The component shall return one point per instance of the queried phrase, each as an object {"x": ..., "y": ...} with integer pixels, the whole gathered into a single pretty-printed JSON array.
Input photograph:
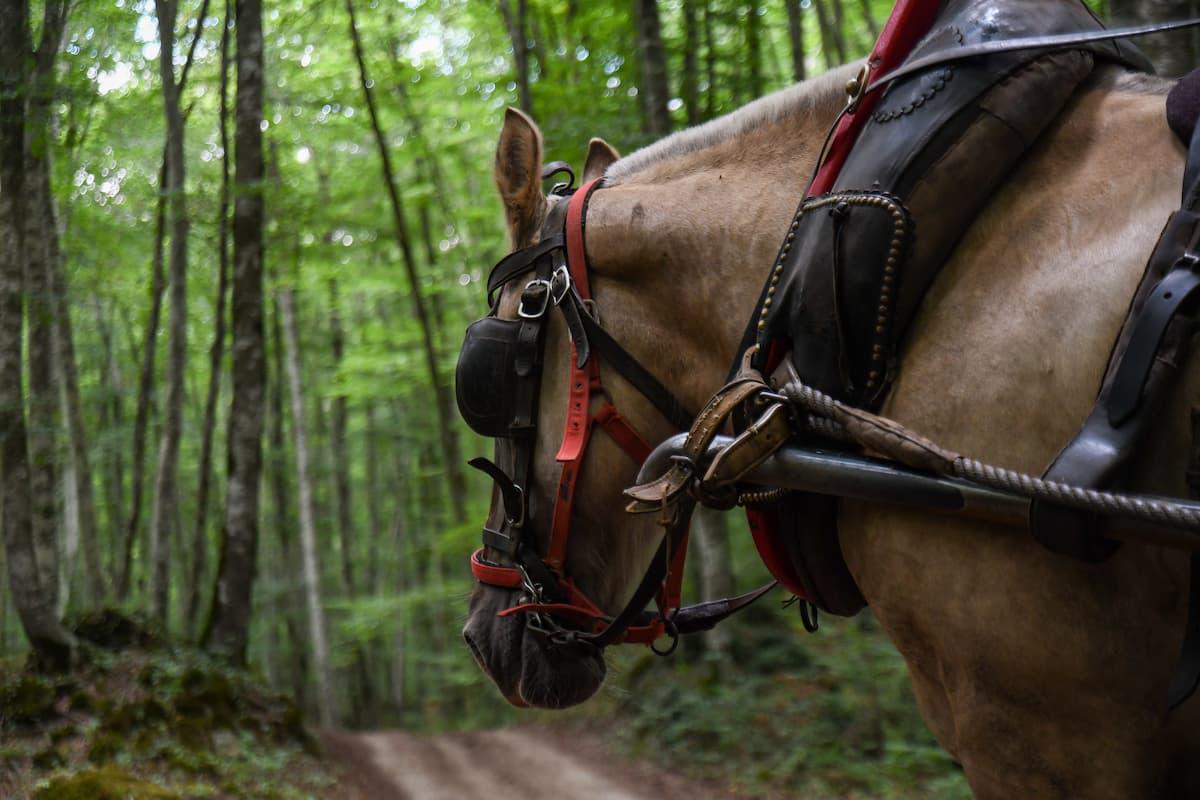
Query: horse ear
[
  {"x": 518, "y": 174},
  {"x": 600, "y": 156}
]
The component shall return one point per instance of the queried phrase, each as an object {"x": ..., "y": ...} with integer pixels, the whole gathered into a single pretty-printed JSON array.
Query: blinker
[{"x": 485, "y": 379}]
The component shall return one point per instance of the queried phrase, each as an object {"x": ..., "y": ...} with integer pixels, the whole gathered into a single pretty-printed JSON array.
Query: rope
[{"x": 829, "y": 416}]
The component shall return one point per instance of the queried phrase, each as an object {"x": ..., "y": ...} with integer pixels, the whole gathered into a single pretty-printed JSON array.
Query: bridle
[{"x": 498, "y": 383}]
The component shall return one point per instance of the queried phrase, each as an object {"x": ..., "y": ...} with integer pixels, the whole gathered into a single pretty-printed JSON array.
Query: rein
[{"x": 560, "y": 279}]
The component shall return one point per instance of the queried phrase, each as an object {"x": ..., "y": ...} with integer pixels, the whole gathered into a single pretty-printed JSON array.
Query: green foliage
[{"x": 824, "y": 715}]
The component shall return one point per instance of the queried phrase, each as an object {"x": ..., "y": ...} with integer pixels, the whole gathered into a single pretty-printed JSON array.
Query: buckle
[
  {"x": 542, "y": 283},
  {"x": 520, "y": 520},
  {"x": 560, "y": 284}
]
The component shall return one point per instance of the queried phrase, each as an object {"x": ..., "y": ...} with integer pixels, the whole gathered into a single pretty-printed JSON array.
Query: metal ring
[{"x": 669, "y": 629}]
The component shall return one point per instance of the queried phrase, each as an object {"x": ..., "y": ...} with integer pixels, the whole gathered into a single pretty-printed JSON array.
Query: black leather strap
[
  {"x": 1171, "y": 294},
  {"x": 519, "y": 262},
  {"x": 628, "y": 367}
]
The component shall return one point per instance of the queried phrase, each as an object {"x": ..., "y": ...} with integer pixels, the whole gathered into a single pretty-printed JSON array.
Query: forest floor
[{"x": 519, "y": 763}]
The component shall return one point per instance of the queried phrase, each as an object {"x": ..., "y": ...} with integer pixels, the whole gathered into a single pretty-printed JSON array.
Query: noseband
[{"x": 498, "y": 381}]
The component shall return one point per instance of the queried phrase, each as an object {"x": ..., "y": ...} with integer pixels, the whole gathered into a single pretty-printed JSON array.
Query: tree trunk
[
  {"x": 216, "y": 352},
  {"x": 691, "y": 49},
  {"x": 308, "y": 533},
  {"x": 1174, "y": 53},
  {"x": 754, "y": 50},
  {"x": 341, "y": 462},
  {"x": 112, "y": 417},
  {"x": 282, "y": 507},
  {"x": 374, "y": 494},
  {"x": 442, "y": 395},
  {"x": 839, "y": 30},
  {"x": 515, "y": 23},
  {"x": 145, "y": 396},
  {"x": 829, "y": 40},
  {"x": 36, "y": 603},
  {"x": 654, "y": 67},
  {"x": 869, "y": 19},
  {"x": 796, "y": 36},
  {"x": 164, "y": 510},
  {"x": 230, "y": 623}
]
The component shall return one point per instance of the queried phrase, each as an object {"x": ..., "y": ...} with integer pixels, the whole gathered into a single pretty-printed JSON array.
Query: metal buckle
[
  {"x": 519, "y": 521},
  {"x": 522, "y": 312},
  {"x": 564, "y": 274}
]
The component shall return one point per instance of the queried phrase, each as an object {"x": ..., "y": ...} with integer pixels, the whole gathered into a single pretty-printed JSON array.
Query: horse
[{"x": 1042, "y": 676}]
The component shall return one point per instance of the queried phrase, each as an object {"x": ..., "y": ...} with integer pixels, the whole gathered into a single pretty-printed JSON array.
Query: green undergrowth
[
  {"x": 787, "y": 714},
  {"x": 142, "y": 719}
]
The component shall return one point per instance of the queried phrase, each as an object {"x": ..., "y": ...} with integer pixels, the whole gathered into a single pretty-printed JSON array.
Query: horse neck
[{"x": 681, "y": 248}]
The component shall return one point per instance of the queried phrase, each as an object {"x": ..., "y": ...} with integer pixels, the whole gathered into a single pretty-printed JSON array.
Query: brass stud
[
  {"x": 762, "y": 325},
  {"x": 873, "y": 374},
  {"x": 879, "y": 329}
]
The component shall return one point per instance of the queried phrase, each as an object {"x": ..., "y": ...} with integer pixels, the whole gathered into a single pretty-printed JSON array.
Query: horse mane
[
  {"x": 781, "y": 106},
  {"x": 802, "y": 98}
]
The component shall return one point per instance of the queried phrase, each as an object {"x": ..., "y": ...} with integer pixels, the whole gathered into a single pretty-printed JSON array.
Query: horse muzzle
[{"x": 526, "y": 668}]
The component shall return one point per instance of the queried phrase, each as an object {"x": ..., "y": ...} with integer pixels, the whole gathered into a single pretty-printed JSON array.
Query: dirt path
[{"x": 511, "y": 764}]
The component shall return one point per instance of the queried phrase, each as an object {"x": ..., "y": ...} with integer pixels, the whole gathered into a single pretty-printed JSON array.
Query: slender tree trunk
[
  {"x": 164, "y": 509},
  {"x": 230, "y": 623},
  {"x": 754, "y": 54},
  {"x": 444, "y": 402},
  {"x": 112, "y": 418},
  {"x": 869, "y": 19},
  {"x": 796, "y": 36},
  {"x": 839, "y": 30},
  {"x": 341, "y": 462},
  {"x": 283, "y": 519},
  {"x": 653, "y": 59},
  {"x": 829, "y": 41},
  {"x": 216, "y": 352},
  {"x": 308, "y": 533},
  {"x": 374, "y": 493},
  {"x": 36, "y": 603},
  {"x": 691, "y": 49},
  {"x": 43, "y": 389},
  {"x": 1174, "y": 53},
  {"x": 145, "y": 396},
  {"x": 515, "y": 23}
]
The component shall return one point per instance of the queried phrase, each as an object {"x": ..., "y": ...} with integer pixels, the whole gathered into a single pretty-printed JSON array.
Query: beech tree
[{"x": 229, "y": 631}]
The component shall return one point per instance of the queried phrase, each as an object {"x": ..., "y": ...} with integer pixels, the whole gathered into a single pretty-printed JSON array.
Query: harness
[{"x": 498, "y": 383}]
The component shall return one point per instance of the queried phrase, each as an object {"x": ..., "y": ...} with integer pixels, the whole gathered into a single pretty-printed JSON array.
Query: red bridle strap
[{"x": 584, "y": 384}]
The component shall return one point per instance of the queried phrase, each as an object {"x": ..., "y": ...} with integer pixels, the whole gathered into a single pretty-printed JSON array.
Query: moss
[
  {"x": 210, "y": 696},
  {"x": 27, "y": 700},
  {"x": 107, "y": 783}
]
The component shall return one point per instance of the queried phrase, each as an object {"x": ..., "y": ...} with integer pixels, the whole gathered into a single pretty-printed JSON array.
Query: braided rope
[{"x": 829, "y": 415}]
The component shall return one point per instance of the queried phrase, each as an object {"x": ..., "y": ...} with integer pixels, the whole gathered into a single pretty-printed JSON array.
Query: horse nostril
[{"x": 475, "y": 651}]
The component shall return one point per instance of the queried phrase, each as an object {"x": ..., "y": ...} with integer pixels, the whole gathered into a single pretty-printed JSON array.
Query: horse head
[{"x": 676, "y": 240}]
